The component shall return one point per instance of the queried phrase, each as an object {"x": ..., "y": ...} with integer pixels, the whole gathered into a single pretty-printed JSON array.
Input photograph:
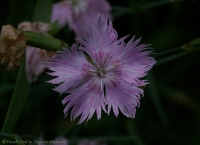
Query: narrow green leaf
[
  {"x": 168, "y": 51},
  {"x": 192, "y": 45},
  {"x": 155, "y": 98},
  {"x": 118, "y": 11},
  {"x": 42, "y": 11},
  {"x": 19, "y": 11},
  {"x": 155, "y": 4},
  {"x": 135, "y": 8},
  {"x": 18, "y": 99},
  {"x": 179, "y": 67}
]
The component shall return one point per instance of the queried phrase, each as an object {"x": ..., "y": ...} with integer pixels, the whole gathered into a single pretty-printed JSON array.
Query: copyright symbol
[{"x": 3, "y": 141}]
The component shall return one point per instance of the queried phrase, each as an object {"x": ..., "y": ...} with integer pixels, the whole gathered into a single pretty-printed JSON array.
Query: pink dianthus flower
[
  {"x": 79, "y": 13},
  {"x": 35, "y": 56},
  {"x": 109, "y": 79}
]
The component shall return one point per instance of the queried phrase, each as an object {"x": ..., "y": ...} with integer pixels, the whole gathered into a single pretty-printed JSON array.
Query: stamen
[{"x": 101, "y": 72}]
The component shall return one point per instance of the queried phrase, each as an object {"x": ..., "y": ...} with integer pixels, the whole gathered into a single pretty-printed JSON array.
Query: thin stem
[
  {"x": 156, "y": 100},
  {"x": 155, "y": 4},
  {"x": 136, "y": 8},
  {"x": 132, "y": 131},
  {"x": 168, "y": 51},
  {"x": 171, "y": 57}
]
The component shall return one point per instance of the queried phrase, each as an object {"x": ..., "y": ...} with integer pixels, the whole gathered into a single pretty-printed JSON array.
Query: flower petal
[
  {"x": 135, "y": 62},
  {"x": 34, "y": 66},
  {"x": 122, "y": 95},
  {"x": 85, "y": 101},
  {"x": 70, "y": 67},
  {"x": 61, "y": 13},
  {"x": 101, "y": 37},
  {"x": 79, "y": 23}
]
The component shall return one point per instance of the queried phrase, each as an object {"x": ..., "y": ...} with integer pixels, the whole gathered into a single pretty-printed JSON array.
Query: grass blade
[{"x": 17, "y": 102}]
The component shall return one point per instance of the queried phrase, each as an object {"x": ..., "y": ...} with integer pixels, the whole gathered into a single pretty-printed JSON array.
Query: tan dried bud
[
  {"x": 35, "y": 56},
  {"x": 25, "y": 26},
  {"x": 41, "y": 27},
  {"x": 38, "y": 27},
  {"x": 12, "y": 46}
]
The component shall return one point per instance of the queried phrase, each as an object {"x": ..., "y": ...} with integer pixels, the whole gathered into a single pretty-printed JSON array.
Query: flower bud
[
  {"x": 35, "y": 56},
  {"x": 12, "y": 46}
]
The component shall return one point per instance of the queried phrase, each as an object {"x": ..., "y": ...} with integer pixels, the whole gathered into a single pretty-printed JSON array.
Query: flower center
[
  {"x": 101, "y": 72},
  {"x": 78, "y": 6}
]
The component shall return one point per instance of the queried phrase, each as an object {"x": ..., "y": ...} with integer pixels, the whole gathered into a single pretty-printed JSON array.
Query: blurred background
[{"x": 169, "y": 112}]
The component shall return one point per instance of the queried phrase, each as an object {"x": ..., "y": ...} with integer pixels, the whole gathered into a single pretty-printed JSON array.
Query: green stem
[
  {"x": 44, "y": 42},
  {"x": 168, "y": 51},
  {"x": 155, "y": 4},
  {"x": 136, "y": 8},
  {"x": 17, "y": 102},
  {"x": 132, "y": 131},
  {"x": 171, "y": 57},
  {"x": 156, "y": 100}
]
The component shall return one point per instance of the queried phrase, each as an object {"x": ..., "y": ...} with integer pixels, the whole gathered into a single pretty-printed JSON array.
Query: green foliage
[
  {"x": 17, "y": 101},
  {"x": 42, "y": 11}
]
